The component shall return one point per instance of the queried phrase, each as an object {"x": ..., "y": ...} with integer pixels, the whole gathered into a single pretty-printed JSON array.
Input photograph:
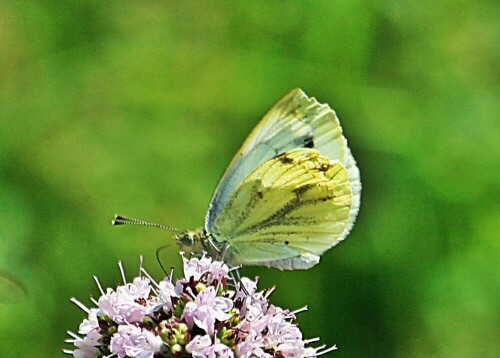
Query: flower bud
[{"x": 176, "y": 350}]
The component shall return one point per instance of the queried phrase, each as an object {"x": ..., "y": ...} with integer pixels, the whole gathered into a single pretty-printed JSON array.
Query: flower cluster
[{"x": 207, "y": 313}]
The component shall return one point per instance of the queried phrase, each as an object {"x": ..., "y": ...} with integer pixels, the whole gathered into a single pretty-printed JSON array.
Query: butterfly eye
[{"x": 186, "y": 239}]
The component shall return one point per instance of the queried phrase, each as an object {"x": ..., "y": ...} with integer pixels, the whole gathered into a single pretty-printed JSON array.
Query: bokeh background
[{"x": 137, "y": 108}]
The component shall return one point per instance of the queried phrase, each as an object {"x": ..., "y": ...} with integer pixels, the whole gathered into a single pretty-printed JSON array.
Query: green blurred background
[{"x": 137, "y": 108}]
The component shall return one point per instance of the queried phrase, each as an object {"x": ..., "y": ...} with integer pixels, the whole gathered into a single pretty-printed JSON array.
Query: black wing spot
[
  {"x": 287, "y": 242},
  {"x": 308, "y": 142},
  {"x": 286, "y": 160},
  {"x": 325, "y": 167}
]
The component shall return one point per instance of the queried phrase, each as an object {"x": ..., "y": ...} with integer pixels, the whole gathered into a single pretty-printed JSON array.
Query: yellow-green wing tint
[
  {"x": 296, "y": 121},
  {"x": 287, "y": 212}
]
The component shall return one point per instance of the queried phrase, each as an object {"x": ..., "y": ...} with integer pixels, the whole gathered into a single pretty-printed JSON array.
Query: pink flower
[
  {"x": 89, "y": 324},
  {"x": 198, "y": 345},
  {"x": 124, "y": 305},
  {"x": 87, "y": 347},
  {"x": 166, "y": 291},
  {"x": 206, "y": 314},
  {"x": 196, "y": 267},
  {"x": 206, "y": 309},
  {"x": 202, "y": 347},
  {"x": 132, "y": 341}
]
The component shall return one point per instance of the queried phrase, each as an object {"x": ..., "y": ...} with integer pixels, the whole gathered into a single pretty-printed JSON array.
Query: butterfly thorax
[{"x": 196, "y": 242}]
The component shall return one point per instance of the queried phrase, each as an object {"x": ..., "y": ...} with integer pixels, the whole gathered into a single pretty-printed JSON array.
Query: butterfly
[{"x": 291, "y": 192}]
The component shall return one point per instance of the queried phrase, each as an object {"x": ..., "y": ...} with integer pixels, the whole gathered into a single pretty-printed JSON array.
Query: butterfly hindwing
[{"x": 286, "y": 212}]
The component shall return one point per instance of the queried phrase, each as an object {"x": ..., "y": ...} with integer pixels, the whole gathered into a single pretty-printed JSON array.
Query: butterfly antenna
[{"x": 123, "y": 220}]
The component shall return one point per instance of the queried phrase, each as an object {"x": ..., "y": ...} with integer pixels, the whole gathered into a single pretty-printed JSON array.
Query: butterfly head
[
  {"x": 199, "y": 241},
  {"x": 194, "y": 241}
]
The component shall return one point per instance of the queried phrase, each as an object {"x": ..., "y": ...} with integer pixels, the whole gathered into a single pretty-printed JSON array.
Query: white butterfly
[{"x": 291, "y": 192}]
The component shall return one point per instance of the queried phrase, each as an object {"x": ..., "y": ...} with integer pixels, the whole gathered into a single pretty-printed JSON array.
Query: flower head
[{"x": 206, "y": 313}]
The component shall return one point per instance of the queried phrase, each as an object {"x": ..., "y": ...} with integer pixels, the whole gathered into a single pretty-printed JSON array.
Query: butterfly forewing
[
  {"x": 291, "y": 208},
  {"x": 296, "y": 121}
]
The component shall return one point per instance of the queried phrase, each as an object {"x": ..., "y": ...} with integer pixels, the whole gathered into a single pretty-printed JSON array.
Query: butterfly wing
[
  {"x": 287, "y": 212},
  {"x": 296, "y": 121}
]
